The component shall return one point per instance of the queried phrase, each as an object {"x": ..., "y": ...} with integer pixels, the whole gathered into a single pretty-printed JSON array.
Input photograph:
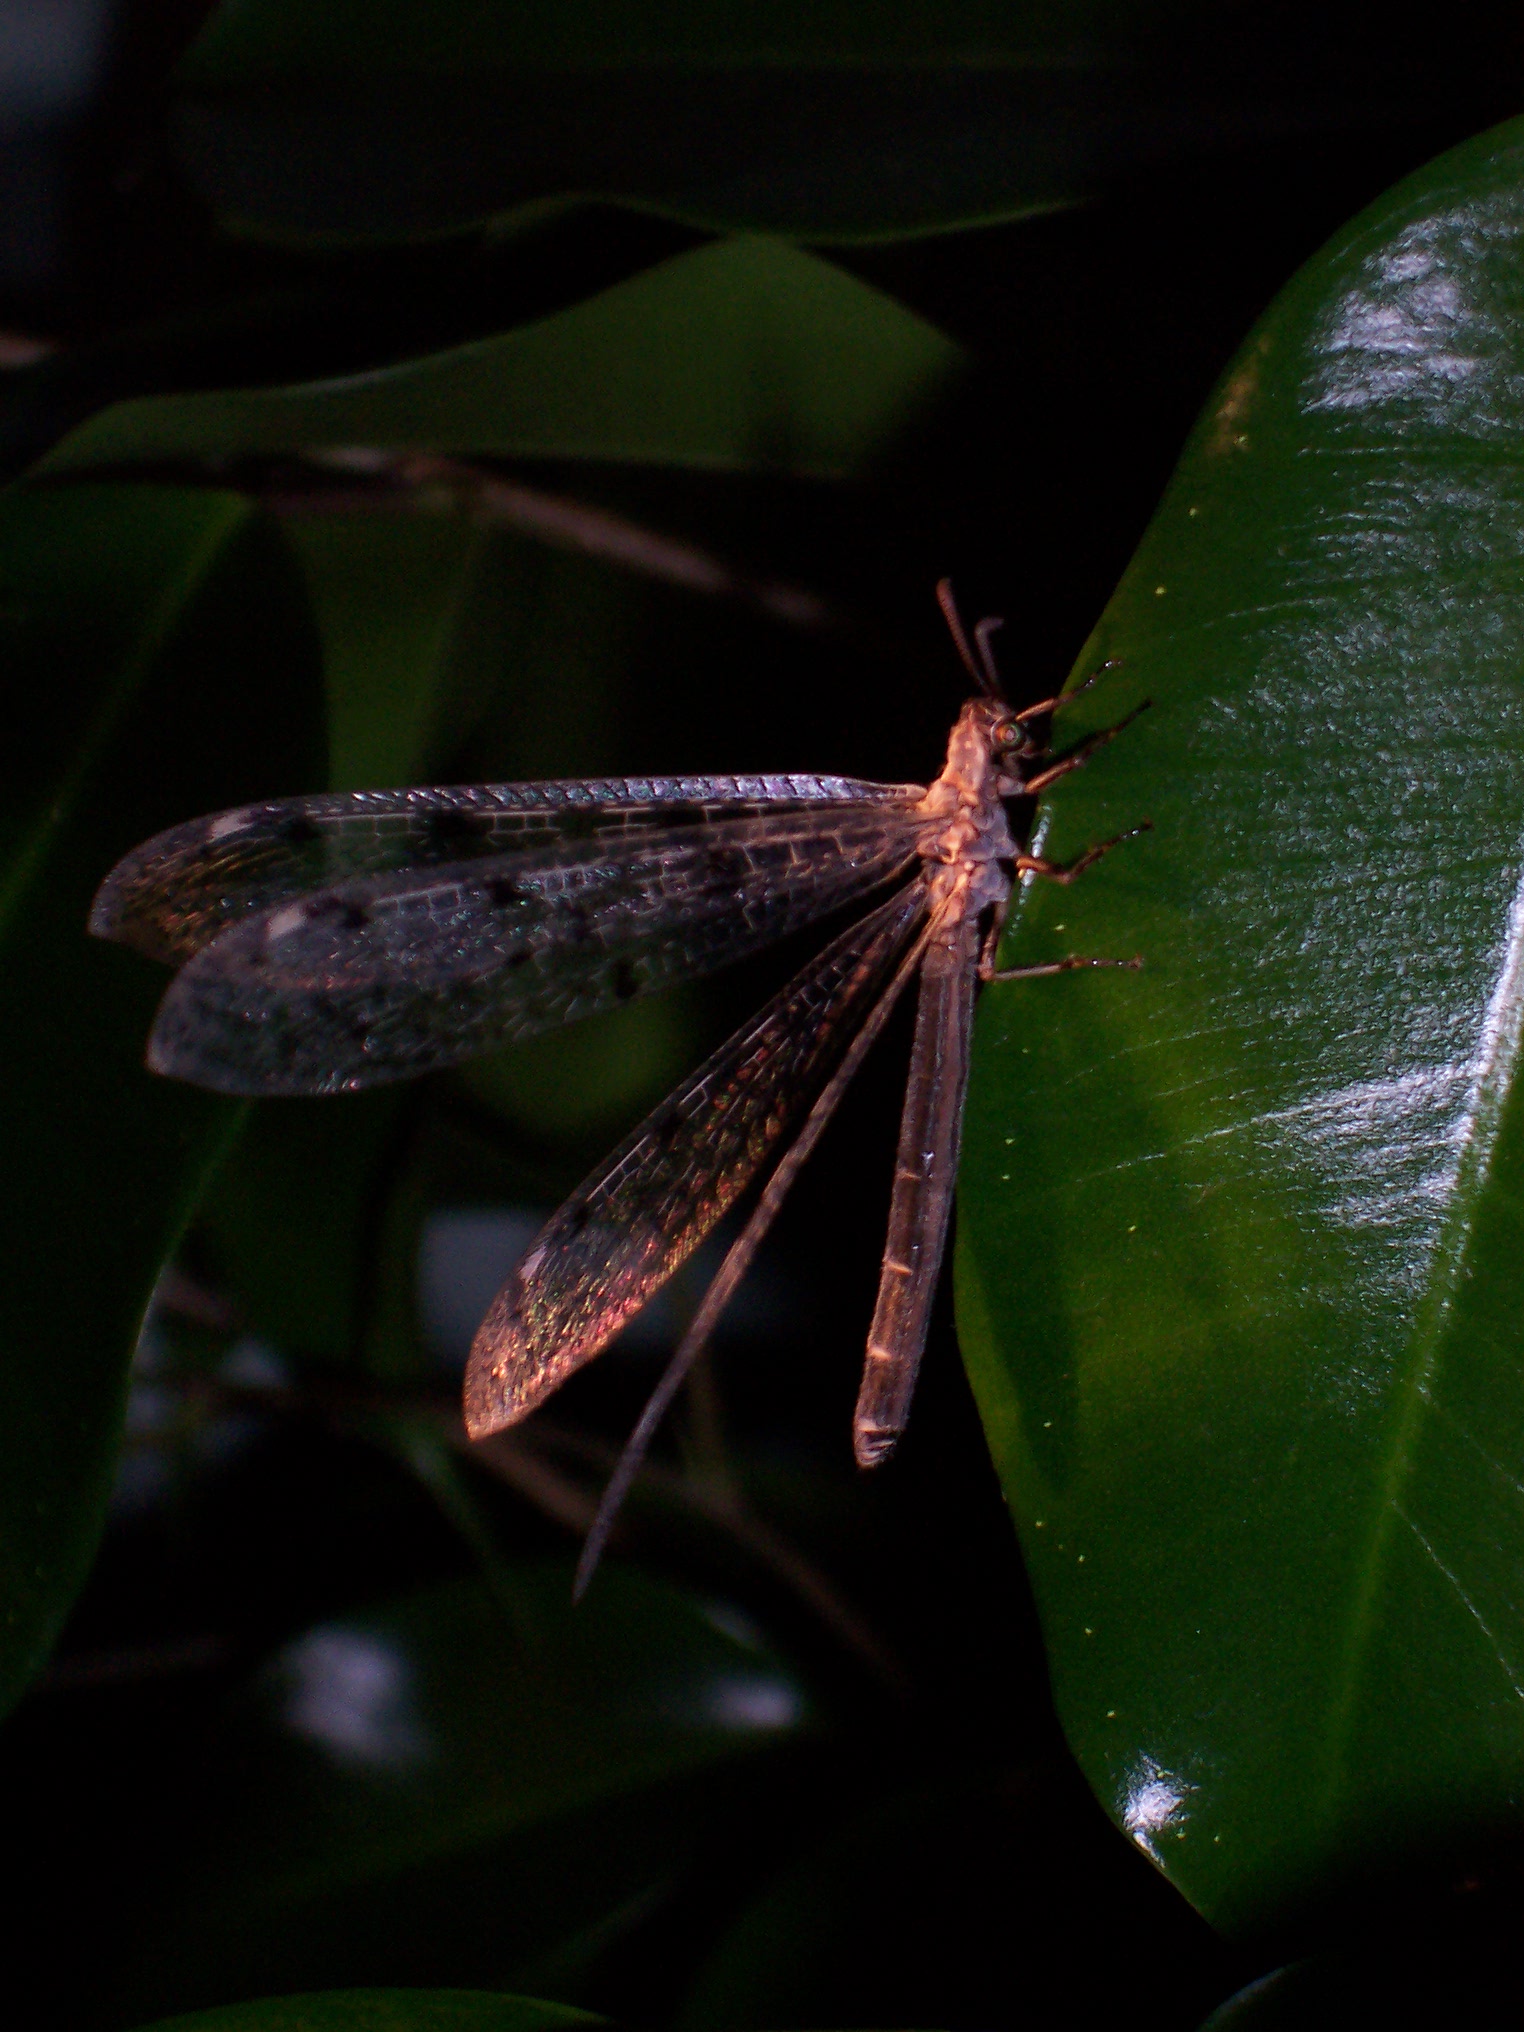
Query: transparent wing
[
  {"x": 623, "y": 1233},
  {"x": 383, "y": 979},
  {"x": 179, "y": 890}
]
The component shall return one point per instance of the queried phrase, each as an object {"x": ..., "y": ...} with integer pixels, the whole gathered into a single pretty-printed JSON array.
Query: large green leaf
[
  {"x": 462, "y": 1781},
  {"x": 385, "y": 2011},
  {"x": 351, "y": 122},
  {"x": 746, "y": 354},
  {"x": 1242, "y": 1264},
  {"x": 158, "y": 659}
]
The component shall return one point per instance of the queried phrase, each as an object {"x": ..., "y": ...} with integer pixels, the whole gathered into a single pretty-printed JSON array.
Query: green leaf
[
  {"x": 438, "y": 1783},
  {"x": 159, "y": 659},
  {"x": 746, "y": 354},
  {"x": 1241, "y": 1282},
  {"x": 399, "y": 606},
  {"x": 291, "y": 1224},
  {"x": 385, "y": 2011}
]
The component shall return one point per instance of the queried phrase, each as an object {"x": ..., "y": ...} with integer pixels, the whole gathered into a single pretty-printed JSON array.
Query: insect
[{"x": 330, "y": 943}]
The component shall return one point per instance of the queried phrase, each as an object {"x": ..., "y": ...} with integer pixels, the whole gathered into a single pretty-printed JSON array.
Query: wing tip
[
  {"x": 106, "y": 911},
  {"x": 503, "y": 1381},
  {"x": 487, "y": 1404},
  {"x": 166, "y": 1054},
  {"x": 177, "y": 1049}
]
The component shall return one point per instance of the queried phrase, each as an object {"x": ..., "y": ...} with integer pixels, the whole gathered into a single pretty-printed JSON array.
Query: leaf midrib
[{"x": 1493, "y": 1067}]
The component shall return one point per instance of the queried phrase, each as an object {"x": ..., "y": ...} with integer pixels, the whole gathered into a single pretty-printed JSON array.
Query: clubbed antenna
[{"x": 981, "y": 668}]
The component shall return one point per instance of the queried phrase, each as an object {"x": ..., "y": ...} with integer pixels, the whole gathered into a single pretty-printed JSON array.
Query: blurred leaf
[
  {"x": 407, "y": 637},
  {"x": 350, "y": 124},
  {"x": 159, "y": 659},
  {"x": 1242, "y": 1268},
  {"x": 746, "y": 354},
  {"x": 971, "y": 1882},
  {"x": 569, "y": 1083},
  {"x": 292, "y": 1220},
  {"x": 436, "y": 1786},
  {"x": 384, "y": 2011}
]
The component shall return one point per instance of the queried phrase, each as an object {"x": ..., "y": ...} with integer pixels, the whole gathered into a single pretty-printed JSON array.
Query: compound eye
[{"x": 1006, "y": 734}]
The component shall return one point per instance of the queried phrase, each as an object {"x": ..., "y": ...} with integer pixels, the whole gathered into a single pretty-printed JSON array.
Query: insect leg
[
  {"x": 1061, "y": 699},
  {"x": 1065, "y": 871},
  {"x": 1080, "y": 753},
  {"x": 921, "y": 1206},
  {"x": 1055, "y": 871},
  {"x": 735, "y": 1266},
  {"x": 1066, "y": 966}
]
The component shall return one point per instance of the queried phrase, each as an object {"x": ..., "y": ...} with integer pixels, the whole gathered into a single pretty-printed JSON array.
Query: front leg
[
  {"x": 1065, "y": 871},
  {"x": 988, "y": 971}
]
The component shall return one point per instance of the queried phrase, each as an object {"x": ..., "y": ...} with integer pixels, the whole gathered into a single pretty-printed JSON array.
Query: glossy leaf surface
[
  {"x": 1242, "y": 1265},
  {"x": 746, "y": 355},
  {"x": 385, "y": 2011},
  {"x": 158, "y": 657}
]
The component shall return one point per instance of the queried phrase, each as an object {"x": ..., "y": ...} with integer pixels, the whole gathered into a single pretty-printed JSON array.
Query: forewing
[
  {"x": 181, "y": 889},
  {"x": 623, "y": 1233},
  {"x": 383, "y": 979}
]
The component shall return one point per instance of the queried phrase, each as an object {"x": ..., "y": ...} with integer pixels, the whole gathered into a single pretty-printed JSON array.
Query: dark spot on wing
[
  {"x": 340, "y": 910},
  {"x": 727, "y": 864},
  {"x": 625, "y": 983},
  {"x": 503, "y": 892},
  {"x": 579, "y": 825},
  {"x": 579, "y": 923},
  {"x": 577, "y": 1217},
  {"x": 665, "y": 1127},
  {"x": 445, "y": 832},
  {"x": 297, "y": 830}
]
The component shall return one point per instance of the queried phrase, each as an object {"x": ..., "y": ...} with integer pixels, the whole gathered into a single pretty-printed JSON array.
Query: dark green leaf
[
  {"x": 404, "y": 610},
  {"x": 359, "y": 123},
  {"x": 1242, "y": 1267},
  {"x": 159, "y": 660},
  {"x": 291, "y": 1223},
  {"x": 746, "y": 354},
  {"x": 972, "y": 1882},
  {"x": 384, "y": 2011},
  {"x": 1457, "y": 1977},
  {"x": 462, "y": 1780}
]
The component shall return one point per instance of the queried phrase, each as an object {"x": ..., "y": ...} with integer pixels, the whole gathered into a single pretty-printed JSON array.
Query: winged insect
[{"x": 330, "y": 943}]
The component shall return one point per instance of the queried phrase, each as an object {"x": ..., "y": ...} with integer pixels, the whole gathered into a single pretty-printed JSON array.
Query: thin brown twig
[{"x": 407, "y": 481}]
